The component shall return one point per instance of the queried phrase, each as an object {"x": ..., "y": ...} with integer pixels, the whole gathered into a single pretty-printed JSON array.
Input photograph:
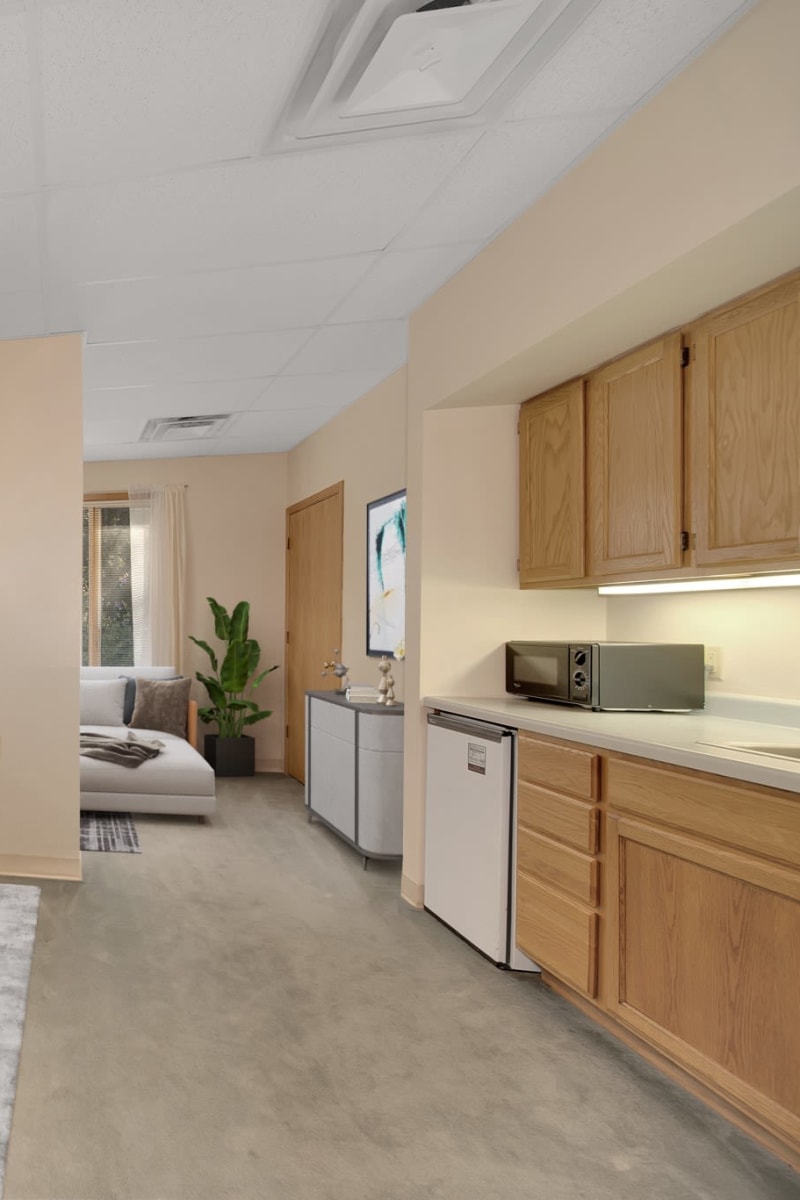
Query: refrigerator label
[{"x": 476, "y": 758}]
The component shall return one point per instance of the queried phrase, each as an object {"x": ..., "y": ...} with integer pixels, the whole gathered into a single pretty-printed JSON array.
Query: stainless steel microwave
[{"x": 622, "y": 676}]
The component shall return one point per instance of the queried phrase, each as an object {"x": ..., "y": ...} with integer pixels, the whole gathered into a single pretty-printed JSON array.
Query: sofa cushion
[
  {"x": 161, "y": 704},
  {"x": 178, "y": 770},
  {"x": 102, "y": 701}
]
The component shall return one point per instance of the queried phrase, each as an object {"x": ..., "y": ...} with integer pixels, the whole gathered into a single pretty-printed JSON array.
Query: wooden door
[
  {"x": 745, "y": 404},
  {"x": 634, "y": 444},
  {"x": 313, "y": 608},
  {"x": 705, "y": 958},
  {"x": 551, "y": 473}
]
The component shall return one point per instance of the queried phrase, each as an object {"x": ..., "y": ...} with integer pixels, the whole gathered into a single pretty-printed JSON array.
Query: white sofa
[{"x": 178, "y": 781}]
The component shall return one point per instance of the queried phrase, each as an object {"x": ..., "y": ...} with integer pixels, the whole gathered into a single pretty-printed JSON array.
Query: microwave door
[{"x": 544, "y": 671}]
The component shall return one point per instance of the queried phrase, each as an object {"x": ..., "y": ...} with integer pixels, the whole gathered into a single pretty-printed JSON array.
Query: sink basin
[{"x": 772, "y": 750}]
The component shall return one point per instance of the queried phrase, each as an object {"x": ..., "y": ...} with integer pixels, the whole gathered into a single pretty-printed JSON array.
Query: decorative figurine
[
  {"x": 386, "y": 685},
  {"x": 338, "y": 669}
]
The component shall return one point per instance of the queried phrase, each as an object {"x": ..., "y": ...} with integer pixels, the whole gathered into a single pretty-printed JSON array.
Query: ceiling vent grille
[
  {"x": 185, "y": 429},
  {"x": 387, "y": 65}
]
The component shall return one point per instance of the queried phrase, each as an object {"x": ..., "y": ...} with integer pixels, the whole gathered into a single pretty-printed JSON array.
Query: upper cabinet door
[
  {"x": 634, "y": 436},
  {"x": 551, "y": 488},
  {"x": 745, "y": 404}
]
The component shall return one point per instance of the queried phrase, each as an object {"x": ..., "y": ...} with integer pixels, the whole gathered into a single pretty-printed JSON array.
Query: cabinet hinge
[
  {"x": 287, "y": 637},
  {"x": 684, "y": 539},
  {"x": 287, "y": 731},
  {"x": 288, "y": 543},
  {"x": 685, "y": 355}
]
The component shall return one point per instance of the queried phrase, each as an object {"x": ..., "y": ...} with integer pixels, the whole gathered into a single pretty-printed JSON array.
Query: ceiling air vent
[
  {"x": 387, "y": 65},
  {"x": 184, "y": 429}
]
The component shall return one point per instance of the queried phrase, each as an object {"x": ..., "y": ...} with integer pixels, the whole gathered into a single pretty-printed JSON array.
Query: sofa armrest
[{"x": 191, "y": 724}]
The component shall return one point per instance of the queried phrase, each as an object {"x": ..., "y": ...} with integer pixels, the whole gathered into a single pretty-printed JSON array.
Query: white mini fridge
[{"x": 470, "y": 828}]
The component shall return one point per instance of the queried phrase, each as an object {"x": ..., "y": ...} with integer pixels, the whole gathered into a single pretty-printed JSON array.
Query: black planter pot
[{"x": 231, "y": 756}]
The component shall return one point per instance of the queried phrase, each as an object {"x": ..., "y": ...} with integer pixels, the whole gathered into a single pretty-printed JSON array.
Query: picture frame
[{"x": 386, "y": 574}]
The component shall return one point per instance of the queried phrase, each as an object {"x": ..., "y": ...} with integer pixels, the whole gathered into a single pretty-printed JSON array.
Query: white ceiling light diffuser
[{"x": 389, "y": 64}]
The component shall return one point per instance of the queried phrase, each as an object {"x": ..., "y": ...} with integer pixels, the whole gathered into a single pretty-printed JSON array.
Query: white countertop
[{"x": 666, "y": 737}]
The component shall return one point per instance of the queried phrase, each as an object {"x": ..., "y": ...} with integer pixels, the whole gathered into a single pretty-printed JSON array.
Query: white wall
[{"x": 756, "y": 630}]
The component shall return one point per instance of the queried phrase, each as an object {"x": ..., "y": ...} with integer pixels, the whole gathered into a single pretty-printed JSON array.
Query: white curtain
[{"x": 158, "y": 574}]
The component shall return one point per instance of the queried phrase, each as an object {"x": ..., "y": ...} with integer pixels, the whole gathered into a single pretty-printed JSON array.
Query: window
[{"x": 107, "y": 633}]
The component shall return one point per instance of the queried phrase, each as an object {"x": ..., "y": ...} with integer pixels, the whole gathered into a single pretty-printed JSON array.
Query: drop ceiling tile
[
  {"x": 283, "y": 296},
  {"x": 237, "y": 356},
  {"x": 268, "y": 432},
  {"x": 19, "y": 244},
  {"x": 509, "y": 168},
  {"x": 370, "y": 346},
  {"x": 400, "y": 281},
  {"x": 323, "y": 204},
  {"x": 172, "y": 400},
  {"x": 17, "y": 170},
  {"x": 152, "y": 86},
  {"x": 621, "y": 51},
  {"x": 332, "y": 392},
  {"x": 124, "y": 451},
  {"x": 101, "y": 433},
  {"x": 21, "y": 315}
]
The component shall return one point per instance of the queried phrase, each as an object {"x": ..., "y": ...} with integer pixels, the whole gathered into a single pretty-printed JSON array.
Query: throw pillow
[
  {"x": 161, "y": 705},
  {"x": 130, "y": 698},
  {"x": 102, "y": 701}
]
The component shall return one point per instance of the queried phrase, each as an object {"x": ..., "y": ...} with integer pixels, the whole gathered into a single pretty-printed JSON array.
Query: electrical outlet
[{"x": 713, "y": 661}]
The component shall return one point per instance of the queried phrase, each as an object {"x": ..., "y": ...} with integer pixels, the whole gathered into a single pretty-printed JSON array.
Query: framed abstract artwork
[{"x": 386, "y": 574}]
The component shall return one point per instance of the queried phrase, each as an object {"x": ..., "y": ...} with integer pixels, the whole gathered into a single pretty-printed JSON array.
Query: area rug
[
  {"x": 19, "y": 907},
  {"x": 109, "y": 831}
]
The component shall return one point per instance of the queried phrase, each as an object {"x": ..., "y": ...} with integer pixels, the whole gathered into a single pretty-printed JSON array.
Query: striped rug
[
  {"x": 109, "y": 831},
  {"x": 19, "y": 907}
]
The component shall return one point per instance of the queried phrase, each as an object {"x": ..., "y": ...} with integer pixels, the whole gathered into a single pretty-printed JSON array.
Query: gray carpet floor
[
  {"x": 242, "y": 1011},
  {"x": 19, "y": 906}
]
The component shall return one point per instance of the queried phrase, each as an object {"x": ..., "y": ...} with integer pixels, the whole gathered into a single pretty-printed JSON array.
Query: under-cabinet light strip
[{"x": 700, "y": 585}]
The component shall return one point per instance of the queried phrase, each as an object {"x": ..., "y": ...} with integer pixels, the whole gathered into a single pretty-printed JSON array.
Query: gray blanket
[{"x": 129, "y": 751}]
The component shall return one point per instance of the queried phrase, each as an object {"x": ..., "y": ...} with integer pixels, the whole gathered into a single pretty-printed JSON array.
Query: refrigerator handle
[{"x": 490, "y": 733}]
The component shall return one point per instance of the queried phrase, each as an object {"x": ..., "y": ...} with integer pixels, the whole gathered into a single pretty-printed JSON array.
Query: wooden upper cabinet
[
  {"x": 745, "y": 427},
  {"x": 551, "y": 479},
  {"x": 634, "y": 442}
]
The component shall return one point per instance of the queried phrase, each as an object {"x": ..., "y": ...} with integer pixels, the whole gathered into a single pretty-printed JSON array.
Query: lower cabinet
[
  {"x": 670, "y": 900},
  {"x": 354, "y": 771},
  {"x": 558, "y": 874}
]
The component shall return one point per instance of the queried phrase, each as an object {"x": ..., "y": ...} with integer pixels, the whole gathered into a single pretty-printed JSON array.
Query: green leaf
[
  {"x": 205, "y": 646},
  {"x": 222, "y": 622},
  {"x": 216, "y": 693},
  {"x": 234, "y": 672},
  {"x": 257, "y": 716},
  {"x": 264, "y": 674},
  {"x": 240, "y": 620},
  {"x": 207, "y": 715}
]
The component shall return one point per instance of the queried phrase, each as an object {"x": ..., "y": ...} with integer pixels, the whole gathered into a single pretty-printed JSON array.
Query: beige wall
[
  {"x": 235, "y": 551},
  {"x": 692, "y": 201},
  {"x": 365, "y": 445},
  {"x": 756, "y": 631},
  {"x": 40, "y": 605}
]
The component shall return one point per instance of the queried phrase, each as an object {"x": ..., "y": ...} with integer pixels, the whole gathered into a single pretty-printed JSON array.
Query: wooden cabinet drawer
[
  {"x": 559, "y": 866},
  {"x": 759, "y": 820},
  {"x": 571, "y": 821},
  {"x": 564, "y": 768},
  {"x": 559, "y": 934}
]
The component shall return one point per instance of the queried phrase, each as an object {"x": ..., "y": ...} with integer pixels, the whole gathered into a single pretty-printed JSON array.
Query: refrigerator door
[{"x": 467, "y": 830}]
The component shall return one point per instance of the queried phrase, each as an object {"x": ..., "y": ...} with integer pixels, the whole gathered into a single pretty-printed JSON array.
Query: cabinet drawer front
[
  {"x": 560, "y": 767},
  {"x": 557, "y": 933},
  {"x": 382, "y": 731},
  {"x": 560, "y": 817},
  {"x": 559, "y": 866},
  {"x": 753, "y": 819},
  {"x": 332, "y": 718}
]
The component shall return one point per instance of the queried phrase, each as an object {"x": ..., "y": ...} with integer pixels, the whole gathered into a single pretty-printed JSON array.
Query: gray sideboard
[{"x": 354, "y": 771}]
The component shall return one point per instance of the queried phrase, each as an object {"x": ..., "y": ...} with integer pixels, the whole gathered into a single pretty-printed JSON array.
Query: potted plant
[{"x": 230, "y": 689}]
